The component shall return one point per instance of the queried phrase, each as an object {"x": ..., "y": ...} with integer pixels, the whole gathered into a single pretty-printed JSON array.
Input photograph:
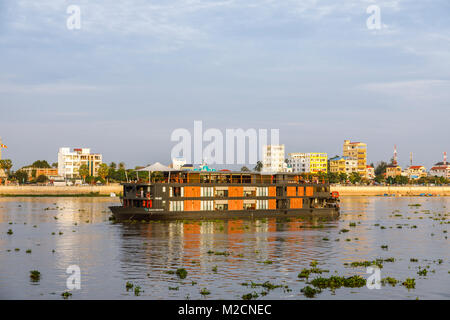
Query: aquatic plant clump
[
  {"x": 310, "y": 292},
  {"x": 181, "y": 273},
  {"x": 35, "y": 275},
  {"x": 335, "y": 282},
  {"x": 389, "y": 280},
  {"x": 377, "y": 262},
  {"x": 250, "y": 296},
  {"x": 267, "y": 285},
  {"x": 129, "y": 285},
  {"x": 137, "y": 290},
  {"x": 306, "y": 272},
  {"x": 205, "y": 292},
  {"x": 409, "y": 283}
]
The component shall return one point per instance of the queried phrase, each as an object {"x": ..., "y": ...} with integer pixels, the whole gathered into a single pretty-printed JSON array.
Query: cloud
[
  {"x": 55, "y": 88},
  {"x": 415, "y": 91}
]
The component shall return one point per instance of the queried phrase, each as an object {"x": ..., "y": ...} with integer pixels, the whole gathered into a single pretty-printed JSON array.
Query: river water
[{"x": 61, "y": 232}]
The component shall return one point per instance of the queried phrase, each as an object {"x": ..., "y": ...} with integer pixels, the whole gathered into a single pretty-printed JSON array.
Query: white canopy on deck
[{"x": 157, "y": 167}]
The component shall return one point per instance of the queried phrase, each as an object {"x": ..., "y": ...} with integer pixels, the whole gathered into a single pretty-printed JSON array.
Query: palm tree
[
  {"x": 258, "y": 166},
  {"x": 103, "y": 171},
  {"x": 122, "y": 165},
  {"x": 6, "y": 164},
  {"x": 83, "y": 171}
]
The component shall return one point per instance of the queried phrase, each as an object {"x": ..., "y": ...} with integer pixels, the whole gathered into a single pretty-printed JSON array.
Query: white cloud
[
  {"x": 55, "y": 88},
  {"x": 413, "y": 90}
]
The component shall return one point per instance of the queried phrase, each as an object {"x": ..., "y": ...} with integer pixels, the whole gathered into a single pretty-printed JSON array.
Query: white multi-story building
[
  {"x": 311, "y": 162},
  {"x": 273, "y": 158},
  {"x": 178, "y": 162},
  {"x": 69, "y": 162},
  {"x": 299, "y": 162}
]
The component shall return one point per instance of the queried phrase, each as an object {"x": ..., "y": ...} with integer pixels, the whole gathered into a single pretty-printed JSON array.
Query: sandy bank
[{"x": 397, "y": 190}]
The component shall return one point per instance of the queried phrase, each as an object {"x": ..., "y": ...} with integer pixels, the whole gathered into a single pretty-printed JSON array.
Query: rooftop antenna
[{"x": 395, "y": 155}]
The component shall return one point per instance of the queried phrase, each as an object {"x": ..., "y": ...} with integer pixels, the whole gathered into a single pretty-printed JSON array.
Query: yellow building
[
  {"x": 393, "y": 171},
  {"x": 312, "y": 162},
  {"x": 370, "y": 172},
  {"x": 318, "y": 162},
  {"x": 416, "y": 172},
  {"x": 357, "y": 150}
]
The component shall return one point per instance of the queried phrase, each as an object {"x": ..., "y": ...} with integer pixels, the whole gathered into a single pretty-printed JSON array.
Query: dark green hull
[{"x": 122, "y": 213}]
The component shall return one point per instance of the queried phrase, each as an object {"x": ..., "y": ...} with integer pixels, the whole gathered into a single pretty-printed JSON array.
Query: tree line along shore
[{"x": 116, "y": 189}]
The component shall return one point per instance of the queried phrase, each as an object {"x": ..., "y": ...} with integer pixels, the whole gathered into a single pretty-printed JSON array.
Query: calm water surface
[{"x": 110, "y": 254}]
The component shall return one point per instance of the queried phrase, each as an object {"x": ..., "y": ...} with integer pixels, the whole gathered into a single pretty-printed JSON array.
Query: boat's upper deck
[{"x": 229, "y": 177}]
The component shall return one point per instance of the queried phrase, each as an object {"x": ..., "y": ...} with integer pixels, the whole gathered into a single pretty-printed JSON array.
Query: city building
[
  {"x": 370, "y": 172},
  {"x": 393, "y": 170},
  {"x": 343, "y": 165},
  {"x": 298, "y": 162},
  {"x": 356, "y": 150},
  {"x": 187, "y": 166},
  {"x": 312, "y": 162},
  {"x": 440, "y": 171},
  {"x": 36, "y": 172},
  {"x": 69, "y": 162},
  {"x": 415, "y": 172},
  {"x": 273, "y": 158},
  {"x": 177, "y": 163}
]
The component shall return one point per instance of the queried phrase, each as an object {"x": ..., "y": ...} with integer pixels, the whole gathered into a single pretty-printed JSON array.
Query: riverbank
[
  {"x": 105, "y": 191},
  {"x": 53, "y": 191},
  {"x": 391, "y": 190}
]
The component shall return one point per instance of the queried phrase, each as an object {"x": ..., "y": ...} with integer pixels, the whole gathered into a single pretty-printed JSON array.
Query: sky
[{"x": 137, "y": 70}]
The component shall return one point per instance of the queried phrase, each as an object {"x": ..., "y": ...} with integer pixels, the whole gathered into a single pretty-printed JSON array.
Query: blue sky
[{"x": 137, "y": 70}]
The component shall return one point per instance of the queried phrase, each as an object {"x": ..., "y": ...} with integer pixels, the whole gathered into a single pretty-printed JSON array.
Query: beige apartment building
[
  {"x": 357, "y": 150},
  {"x": 273, "y": 158},
  {"x": 343, "y": 165}
]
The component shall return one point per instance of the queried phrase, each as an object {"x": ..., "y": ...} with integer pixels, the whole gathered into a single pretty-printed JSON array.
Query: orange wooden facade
[
  {"x": 291, "y": 191},
  {"x": 191, "y": 205},
  {"x": 272, "y": 204},
  {"x": 272, "y": 192},
  {"x": 190, "y": 192},
  {"x": 235, "y": 204},
  {"x": 309, "y": 191},
  {"x": 296, "y": 203},
  {"x": 235, "y": 191}
]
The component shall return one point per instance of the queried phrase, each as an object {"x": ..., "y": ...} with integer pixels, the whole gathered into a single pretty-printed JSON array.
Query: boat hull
[{"x": 122, "y": 213}]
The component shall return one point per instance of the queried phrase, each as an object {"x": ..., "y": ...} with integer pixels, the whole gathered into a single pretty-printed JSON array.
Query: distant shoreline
[
  {"x": 64, "y": 191},
  {"x": 392, "y": 190},
  {"x": 105, "y": 191}
]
